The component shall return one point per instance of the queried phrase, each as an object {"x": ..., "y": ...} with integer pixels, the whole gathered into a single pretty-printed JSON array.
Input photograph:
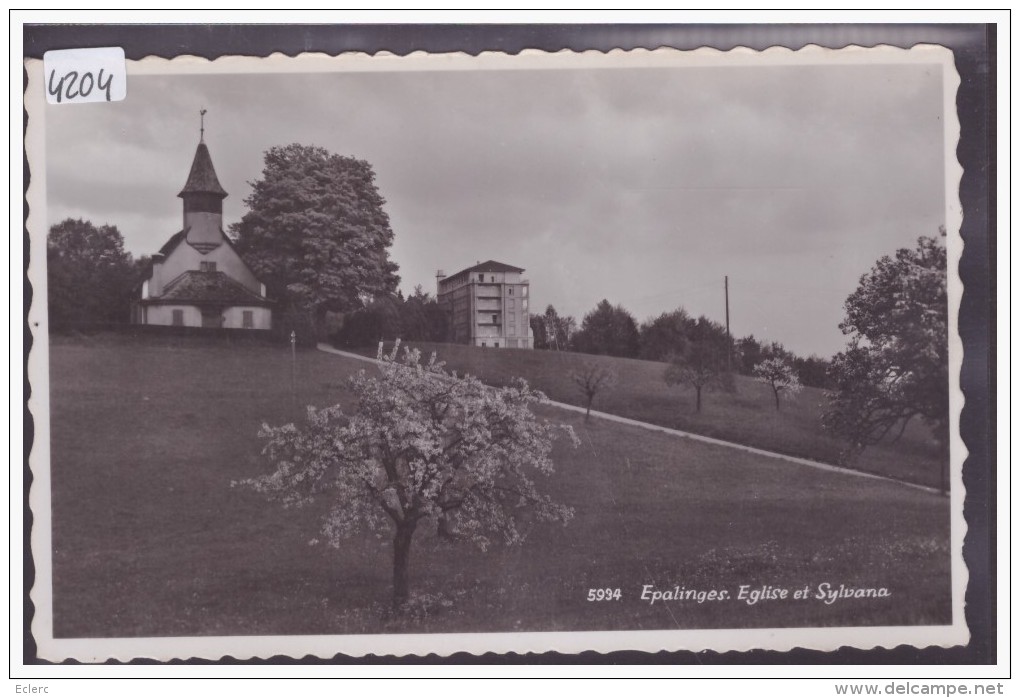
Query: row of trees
[
  {"x": 611, "y": 330},
  {"x": 416, "y": 318},
  {"x": 90, "y": 276}
]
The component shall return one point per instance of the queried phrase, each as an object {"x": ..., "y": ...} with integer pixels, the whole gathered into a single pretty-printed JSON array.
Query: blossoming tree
[
  {"x": 778, "y": 375},
  {"x": 425, "y": 448}
]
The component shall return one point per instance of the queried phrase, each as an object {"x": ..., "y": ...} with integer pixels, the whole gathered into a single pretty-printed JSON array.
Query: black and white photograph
[{"x": 646, "y": 350}]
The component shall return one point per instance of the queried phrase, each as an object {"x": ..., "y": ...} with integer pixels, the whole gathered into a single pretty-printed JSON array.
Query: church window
[{"x": 207, "y": 266}]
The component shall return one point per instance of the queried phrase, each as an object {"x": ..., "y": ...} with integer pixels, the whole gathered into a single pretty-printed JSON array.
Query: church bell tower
[{"x": 203, "y": 200}]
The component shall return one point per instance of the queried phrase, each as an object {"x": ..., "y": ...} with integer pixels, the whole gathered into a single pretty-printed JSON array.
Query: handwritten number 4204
[{"x": 78, "y": 87}]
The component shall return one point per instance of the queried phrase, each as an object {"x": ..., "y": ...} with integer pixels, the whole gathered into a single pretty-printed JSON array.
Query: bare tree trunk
[
  {"x": 401, "y": 563},
  {"x": 776, "y": 392},
  {"x": 587, "y": 412}
]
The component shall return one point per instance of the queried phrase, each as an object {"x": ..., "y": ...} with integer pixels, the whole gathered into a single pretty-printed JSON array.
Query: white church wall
[
  {"x": 261, "y": 317},
  {"x": 187, "y": 258},
  {"x": 164, "y": 315}
]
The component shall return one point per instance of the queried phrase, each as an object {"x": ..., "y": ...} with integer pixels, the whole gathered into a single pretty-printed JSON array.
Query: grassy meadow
[
  {"x": 747, "y": 416},
  {"x": 150, "y": 539}
]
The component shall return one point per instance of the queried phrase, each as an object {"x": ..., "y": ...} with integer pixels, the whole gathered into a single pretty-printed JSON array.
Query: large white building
[
  {"x": 487, "y": 306},
  {"x": 197, "y": 278}
]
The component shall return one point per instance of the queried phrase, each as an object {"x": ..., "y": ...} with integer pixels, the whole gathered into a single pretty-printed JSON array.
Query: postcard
[{"x": 639, "y": 350}]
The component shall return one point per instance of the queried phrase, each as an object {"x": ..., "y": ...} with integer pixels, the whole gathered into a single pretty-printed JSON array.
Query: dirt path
[{"x": 688, "y": 435}]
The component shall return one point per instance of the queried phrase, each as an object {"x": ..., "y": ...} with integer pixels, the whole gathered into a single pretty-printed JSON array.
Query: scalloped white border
[{"x": 780, "y": 639}]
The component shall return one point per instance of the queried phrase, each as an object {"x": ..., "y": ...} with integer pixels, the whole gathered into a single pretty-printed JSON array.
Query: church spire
[
  {"x": 202, "y": 178},
  {"x": 201, "y": 128},
  {"x": 203, "y": 199}
]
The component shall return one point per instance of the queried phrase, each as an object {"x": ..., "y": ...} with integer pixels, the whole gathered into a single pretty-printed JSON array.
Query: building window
[
  {"x": 510, "y": 291},
  {"x": 481, "y": 277},
  {"x": 513, "y": 329},
  {"x": 511, "y": 303},
  {"x": 247, "y": 319},
  {"x": 495, "y": 319},
  {"x": 207, "y": 266},
  {"x": 524, "y": 291},
  {"x": 483, "y": 344},
  {"x": 178, "y": 315},
  {"x": 496, "y": 344},
  {"x": 513, "y": 317},
  {"x": 524, "y": 304}
]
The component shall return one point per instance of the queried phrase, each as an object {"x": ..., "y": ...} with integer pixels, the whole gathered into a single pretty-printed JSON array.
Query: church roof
[
  {"x": 202, "y": 178},
  {"x": 170, "y": 244},
  {"x": 197, "y": 287}
]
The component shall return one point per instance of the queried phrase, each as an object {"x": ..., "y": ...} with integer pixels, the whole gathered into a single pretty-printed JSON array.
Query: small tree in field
[
  {"x": 593, "y": 378},
  {"x": 424, "y": 448},
  {"x": 700, "y": 366},
  {"x": 778, "y": 375}
]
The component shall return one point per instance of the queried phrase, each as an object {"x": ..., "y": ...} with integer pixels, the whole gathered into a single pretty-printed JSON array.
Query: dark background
[{"x": 974, "y": 48}]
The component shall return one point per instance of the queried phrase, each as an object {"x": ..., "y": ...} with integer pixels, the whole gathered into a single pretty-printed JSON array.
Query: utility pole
[
  {"x": 293, "y": 370},
  {"x": 729, "y": 338}
]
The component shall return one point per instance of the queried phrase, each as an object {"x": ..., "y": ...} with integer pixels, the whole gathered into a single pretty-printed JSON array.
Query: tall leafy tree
[
  {"x": 316, "y": 231},
  {"x": 380, "y": 320},
  {"x": 666, "y": 334},
  {"x": 896, "y": 365},
  {"x": 425, "y": 448},
  {"x": 608, "y": 330},
  {"x": 422, "y": 318},
  {"x": 89, "y": 275},
  {"x": 539, "y": 337},
  {"x": 813, "y": 371}
]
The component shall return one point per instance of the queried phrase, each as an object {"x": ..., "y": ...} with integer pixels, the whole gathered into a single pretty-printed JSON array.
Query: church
[{"x": 197, "y": 278}]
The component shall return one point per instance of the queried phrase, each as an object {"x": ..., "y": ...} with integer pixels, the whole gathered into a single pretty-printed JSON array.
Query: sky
[{"x": 645, "y": 187}]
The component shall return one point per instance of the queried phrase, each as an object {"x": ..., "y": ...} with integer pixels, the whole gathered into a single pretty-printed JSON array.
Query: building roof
[
  {"x": 208, "y": 287},
  {"x": 202, "y": 178},
  {"x": 491, "y": 265},
  {"x": 170, "y": 244}
]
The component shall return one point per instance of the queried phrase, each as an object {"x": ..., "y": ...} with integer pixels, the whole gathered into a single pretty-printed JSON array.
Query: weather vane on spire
[{"x": 201, "y": 130}]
